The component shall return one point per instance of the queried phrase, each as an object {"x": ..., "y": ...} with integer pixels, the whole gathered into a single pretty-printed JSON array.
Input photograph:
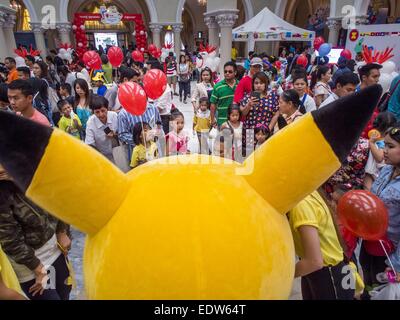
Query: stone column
[
  {"x": 38, "y": 32},
  {"x": 64, "y": 31},
  {"x": 8, "y": 30},
  {"x": 177, "y": 28},
  {"x": 213, "y": 30},
  {"x": 334, "y": 25},
  {"x": 4, "y": 52},
  {"x": 156, "y": 31},
  {"x": 226, "y": 22}
]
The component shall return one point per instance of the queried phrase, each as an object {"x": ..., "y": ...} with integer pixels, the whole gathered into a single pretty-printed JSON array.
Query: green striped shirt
[{"x": 222, "y": 97}]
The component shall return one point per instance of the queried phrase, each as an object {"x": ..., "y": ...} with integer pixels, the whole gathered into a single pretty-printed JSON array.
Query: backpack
[{"x": 384, "y": 102}]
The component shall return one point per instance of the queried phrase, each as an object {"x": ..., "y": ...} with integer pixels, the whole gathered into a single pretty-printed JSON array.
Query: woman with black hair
[
  {"x": 289, "y": 104},
  {"x": 41, "y": 98},
  {"x": 322, "y": 89},
  {"x": 82, "y": 102}
]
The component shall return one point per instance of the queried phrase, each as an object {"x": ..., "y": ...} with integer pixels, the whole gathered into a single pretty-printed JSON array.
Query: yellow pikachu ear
[
  {"x": 301, "y": 157},
  {"x": 61, "y": 174}
]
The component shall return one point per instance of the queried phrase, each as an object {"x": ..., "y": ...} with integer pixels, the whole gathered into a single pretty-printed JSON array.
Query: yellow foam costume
[{"x": 148, "y": 236}]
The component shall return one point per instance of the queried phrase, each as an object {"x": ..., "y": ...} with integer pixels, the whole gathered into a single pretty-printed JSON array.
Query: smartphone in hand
[
  {"x": 107, "y": 130},
  {"x": 256, "y": 95}
]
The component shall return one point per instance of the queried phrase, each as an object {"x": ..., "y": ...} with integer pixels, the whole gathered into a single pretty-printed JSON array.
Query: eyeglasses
[{"x": 228, "y": 71}]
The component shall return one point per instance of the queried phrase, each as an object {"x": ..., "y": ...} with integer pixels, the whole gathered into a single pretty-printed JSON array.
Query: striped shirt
[
  {"x": 127, "y": 121},
  {"x": 222, "y": 97}
]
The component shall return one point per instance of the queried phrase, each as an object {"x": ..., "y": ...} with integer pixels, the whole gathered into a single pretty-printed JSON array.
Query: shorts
[{"x": 172, "y": 80}]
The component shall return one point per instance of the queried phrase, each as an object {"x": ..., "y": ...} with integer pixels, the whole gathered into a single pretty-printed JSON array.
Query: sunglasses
[
  {"x": 393, "y": 131},
  {"x": 228, "y": 71}
]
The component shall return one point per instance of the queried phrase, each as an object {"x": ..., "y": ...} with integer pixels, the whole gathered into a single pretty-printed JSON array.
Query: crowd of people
[{"x": 232, "y": 117}]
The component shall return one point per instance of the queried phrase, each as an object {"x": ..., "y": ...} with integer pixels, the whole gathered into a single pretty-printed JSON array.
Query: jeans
[
  {"x": 184, "y": 87},
  {"x": 61, "y": 291}
]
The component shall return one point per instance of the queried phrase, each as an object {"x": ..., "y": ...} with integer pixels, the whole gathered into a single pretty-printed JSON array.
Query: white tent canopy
[{"x": 267, "y": 26}]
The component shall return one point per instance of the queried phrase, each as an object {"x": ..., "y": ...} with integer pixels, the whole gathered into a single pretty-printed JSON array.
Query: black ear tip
[
  {"x": 343, "y": 121},
  {"x": 22, "y": 145}
]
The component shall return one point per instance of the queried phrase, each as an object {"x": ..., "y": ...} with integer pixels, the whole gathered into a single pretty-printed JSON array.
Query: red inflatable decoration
[
  {"x": 152, "y": 48},
  {"x": 346, "y": 54},
  {"x": 364, "y": 214},
  {"x": 155, "y": 83},
  {"x": 92, "y": 60},
  {"x": 116, "y": 56},
  {"x": 133, "y": 98},
  {"x": 137, "y": 56},
  {"x": 318, "y": 42},
  {"x": 302, "y": 61}
]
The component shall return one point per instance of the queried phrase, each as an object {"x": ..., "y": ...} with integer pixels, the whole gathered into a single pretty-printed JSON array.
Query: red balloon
[
  {"x": 278, "y": 64},
  {"x": 364, "y": 214},
  {"x": 157, "y": 54},
  {"x": 137, "y": 56},
  {"x": 154, "y": 83},
  {"x": 116, "y": 56},
  {"x": 302, "y": 61},
  {"x": 318, "y": 42},
  {"x": 133, "y": 98},
  {"x": 346, "y": 54},
  {"x": 152, "y": 47},
  {"x": 92, "y": 60}
]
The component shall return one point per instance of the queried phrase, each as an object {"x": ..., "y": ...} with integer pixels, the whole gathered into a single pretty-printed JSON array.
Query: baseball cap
[{"x": 256, "y": 62}]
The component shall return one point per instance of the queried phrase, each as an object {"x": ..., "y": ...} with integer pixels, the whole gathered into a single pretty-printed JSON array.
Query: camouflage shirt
[{"x": 24, "y": 227}]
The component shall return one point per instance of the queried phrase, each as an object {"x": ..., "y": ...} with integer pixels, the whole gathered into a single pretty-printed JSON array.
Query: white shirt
[
  {"x": 47, "y": 254},
  {"x": 95, "y": 135},
  {"x": 309, "y": 103},
  {"x": 164, "y": 103},
  {"x": 112, "y": 95},
  {"x": 332, "y": 97},
  {"x": 201, "y": 91}
]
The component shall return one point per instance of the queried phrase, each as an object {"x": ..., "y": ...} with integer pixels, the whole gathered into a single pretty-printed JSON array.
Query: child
[
  {"x": 66, "y": 93},
  {"x": 300, "y": 84},
  {"x": 375, "y": 162},
  {"x": 99, "y": 83},
  {"x": 69, "y": 121},
  {"x": 261, "y": 133},
  {"x": 236, "y": 126},
  {"x": 145, "y": 149},
  {"x": 202, "y": 124},
  {"x": 177, "y": 139}
]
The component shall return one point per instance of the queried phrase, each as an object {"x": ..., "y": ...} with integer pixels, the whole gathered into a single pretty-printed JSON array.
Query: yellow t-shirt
[
  {"x": 139, "y": 154},
  {"x": 313, "y": 211},
  {"x": 65, "y": 123},
  {"x": 234, "y": 53},
  {"x": 202, "y": 121},
  {"x": 7, "y": 273}
]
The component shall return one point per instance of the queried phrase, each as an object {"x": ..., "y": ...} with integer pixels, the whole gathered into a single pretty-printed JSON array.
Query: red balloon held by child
[
  {"x": 154, "y": 83},
  {"x": 132, "y": 98},
  {"x": 364, "y": 214}
]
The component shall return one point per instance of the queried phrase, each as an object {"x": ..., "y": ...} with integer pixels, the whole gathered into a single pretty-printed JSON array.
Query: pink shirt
[
  {"x": 38, "y": 117},
  {"x": 245, "y": 86},
  {"x": 177, "y": 143}
]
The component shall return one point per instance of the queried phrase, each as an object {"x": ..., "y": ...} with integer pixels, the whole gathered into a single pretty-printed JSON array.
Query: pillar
[
  {"x": 156, "y": 32},
  {"x": 38, "y": 30},
  {"x": 334, "y": 26},
  {"x": 3, "y": 49},
  {"x": 226, "y": 21},
  {"x": 177, "y": 28},
  {"x": 64, "y": 31},
  {"x": 213, "y": 31},
  {"x": 8, "y": 30}
]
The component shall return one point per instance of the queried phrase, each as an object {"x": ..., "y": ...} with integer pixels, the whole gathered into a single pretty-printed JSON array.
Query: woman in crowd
[
  {"x": 203, "y": 89},
  {"x": 184, "y": 78},
  {"x": 82, "y": 102},
  {"x": 322, "y": 89}
]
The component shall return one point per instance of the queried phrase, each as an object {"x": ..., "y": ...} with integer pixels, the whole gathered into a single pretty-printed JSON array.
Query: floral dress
[
  {"x": 352, "y": 173},
  {"x": 262, "y": 113}
]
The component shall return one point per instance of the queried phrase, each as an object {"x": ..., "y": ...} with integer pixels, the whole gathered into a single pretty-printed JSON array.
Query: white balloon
[
  {"x": 142, "y": 49},
  {"x": 80, "y": 44},
  {"x": 83, "y": 27},
  {"x": 388, "y": 67},
  {"x": 385, "y": 81},
  {"x": 62, "y": 51}
]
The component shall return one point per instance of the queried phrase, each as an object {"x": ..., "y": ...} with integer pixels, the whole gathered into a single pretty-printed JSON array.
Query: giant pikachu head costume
[{"x": 185, "y": 231}]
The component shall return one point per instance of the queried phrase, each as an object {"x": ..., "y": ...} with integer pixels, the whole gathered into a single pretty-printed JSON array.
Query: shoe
[
  {"x": 184, "y": 101},
  {"x": 175, "y": 94},
  {"x": 180, "y": 99}
]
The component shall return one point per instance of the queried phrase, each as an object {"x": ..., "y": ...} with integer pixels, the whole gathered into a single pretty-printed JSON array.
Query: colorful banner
[{"x": 375, "y": 36}]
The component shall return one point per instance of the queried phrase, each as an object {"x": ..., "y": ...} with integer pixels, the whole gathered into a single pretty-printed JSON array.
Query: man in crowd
[
  {"x": 245, "y": 85},
  {"x": 11, "y": 65},
  {"x": 223, "y": 93},
  {"x": 345, "y": 84},
  {"x": 369, "y": 75}
]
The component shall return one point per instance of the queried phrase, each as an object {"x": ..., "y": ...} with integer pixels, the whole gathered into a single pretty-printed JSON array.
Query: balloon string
[
  {"x": 387, "y": 255},
  {"x": 144, "y": 137}
]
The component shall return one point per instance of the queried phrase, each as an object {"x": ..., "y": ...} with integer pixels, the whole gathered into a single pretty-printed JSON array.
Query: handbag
[
  {"x": 121, "y": 157},
  {"x": 384, "y": 102}
]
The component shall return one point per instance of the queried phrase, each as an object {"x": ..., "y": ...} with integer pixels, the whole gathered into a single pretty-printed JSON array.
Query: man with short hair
[
  {"x": 11, "y": 65},
  {"x": 30, "y": 61},
  {"x": 245, "y": 85},
  {"x": 345, "y": 84},
  {"x": 223, "y": 94},
  {"x": 24, "y": 73},
  {"x": 20, "y": 95},
  {"x": 369, "y": 75}
]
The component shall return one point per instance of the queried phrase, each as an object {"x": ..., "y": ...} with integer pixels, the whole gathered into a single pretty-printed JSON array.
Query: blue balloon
[{"x": 324, "y": 50}]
